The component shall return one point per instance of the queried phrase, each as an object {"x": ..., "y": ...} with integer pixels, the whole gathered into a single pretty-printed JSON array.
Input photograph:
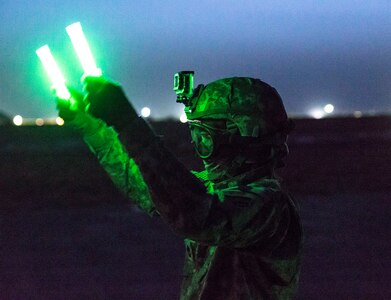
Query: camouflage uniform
[{"x": 242, "y": 234}]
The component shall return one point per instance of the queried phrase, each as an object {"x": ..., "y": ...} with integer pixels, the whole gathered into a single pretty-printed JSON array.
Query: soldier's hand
[
  {"x": 107, "y": 101},
  {"x": 69, "y": 108},
  {"x": 73, "y": 111}
]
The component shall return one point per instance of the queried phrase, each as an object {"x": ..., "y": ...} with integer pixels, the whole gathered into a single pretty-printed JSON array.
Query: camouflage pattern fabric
[
  {"x": 253, "y": 105},
  {"x": 243, "y": 241}
]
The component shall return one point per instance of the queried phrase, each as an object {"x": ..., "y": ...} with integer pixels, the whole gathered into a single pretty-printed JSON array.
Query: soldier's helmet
[
  {"x": 252, "y": 105},
  {"x": 253, "y": 111}
]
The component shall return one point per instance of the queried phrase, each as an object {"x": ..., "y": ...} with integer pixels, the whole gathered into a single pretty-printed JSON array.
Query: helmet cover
[{"x": 252, "y": 105}]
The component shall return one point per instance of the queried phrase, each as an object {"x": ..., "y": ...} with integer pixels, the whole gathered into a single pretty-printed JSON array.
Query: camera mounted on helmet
[{"x": 184, "y": 88}]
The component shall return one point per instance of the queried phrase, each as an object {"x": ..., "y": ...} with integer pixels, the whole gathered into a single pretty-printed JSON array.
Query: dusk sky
[{"x": 313, "y": 52}]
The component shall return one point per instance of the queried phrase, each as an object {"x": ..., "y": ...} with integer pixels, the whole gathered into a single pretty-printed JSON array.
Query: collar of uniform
[{"x": 243, "y": 179}]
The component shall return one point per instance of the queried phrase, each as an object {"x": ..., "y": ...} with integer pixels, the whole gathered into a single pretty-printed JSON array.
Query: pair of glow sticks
[{"x": 83, "y": 52}]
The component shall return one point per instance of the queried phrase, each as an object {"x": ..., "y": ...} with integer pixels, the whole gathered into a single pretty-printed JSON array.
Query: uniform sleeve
[
  {"x": 149, "y": 174},
  {"x": 122, "y": 170},
  {"x": 180, "y": 198}
]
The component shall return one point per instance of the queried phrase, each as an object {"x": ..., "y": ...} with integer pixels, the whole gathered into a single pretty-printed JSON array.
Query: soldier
[{"x": 241, "y": 230}]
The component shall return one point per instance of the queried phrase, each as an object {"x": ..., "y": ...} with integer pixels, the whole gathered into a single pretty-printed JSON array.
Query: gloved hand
[
  {"x": 106, "y": 100},
  {"x": 73, "y": 112},
  {"x": 69, "y": 108}
]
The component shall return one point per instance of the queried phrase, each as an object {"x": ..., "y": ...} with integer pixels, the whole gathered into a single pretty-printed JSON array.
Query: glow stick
[
  {"x": 54, "y": 72},
  {"x": 82, "y": 49}
]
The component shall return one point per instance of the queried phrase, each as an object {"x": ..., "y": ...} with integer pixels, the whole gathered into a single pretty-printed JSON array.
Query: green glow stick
[
  {"x": 54, "y": 72},
  {"x": 82, "y": 49}
]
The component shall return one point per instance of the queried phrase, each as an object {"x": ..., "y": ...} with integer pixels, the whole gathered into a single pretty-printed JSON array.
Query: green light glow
[
  {"x": 82, "y": 49},
  {"x": 53, "y": 71}
]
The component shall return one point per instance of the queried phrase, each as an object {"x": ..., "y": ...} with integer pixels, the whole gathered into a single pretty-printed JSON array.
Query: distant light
[
  {"x": 145, "y": 112},
  {"x": 317, "y": 113},
  {"x": 82, "y": 49},
  {"x": 183, "y": 118},
  {"x": 18, "y": 120},
  {"x": 59, "y": 121},
  {"x": 39, "y": 122},
  {"x": 357, "y": 114},
  {"x": 329, "y": 108}
]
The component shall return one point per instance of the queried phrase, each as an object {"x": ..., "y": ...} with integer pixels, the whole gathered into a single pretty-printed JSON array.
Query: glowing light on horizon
[
  {"x": 18, "y": 120},
  {"x": 53, "y": 71},
  {"x": 329, "y": 108},
  {"x": 39, "y": 122},
  {"x": 59, "y": 121},
  {"x": 83, "y": 50},
  {"x": 145, "y": 112},
  {"x": 357, "y": 114},
  {"x": 183, "y": 118},
  {"x": 317, "y": 113}
]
